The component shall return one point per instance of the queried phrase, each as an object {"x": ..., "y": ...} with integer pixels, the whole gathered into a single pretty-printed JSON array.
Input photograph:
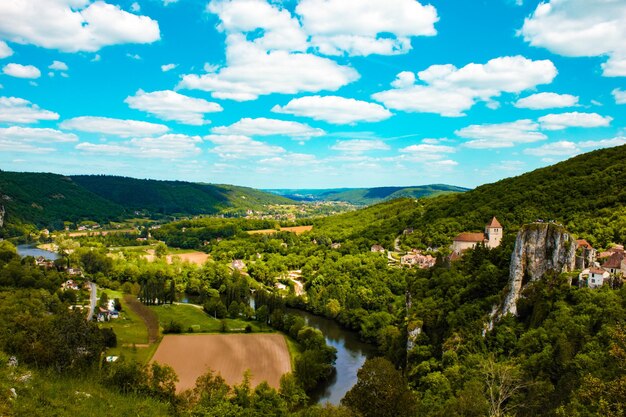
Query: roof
[
  {"x": 614, "y": 261},
  {"x": 597, "y": 271},
  {"x": 470, "y": 237},
  {"x": 494, "y": 223},
  {"x": 582, "y": 243}
]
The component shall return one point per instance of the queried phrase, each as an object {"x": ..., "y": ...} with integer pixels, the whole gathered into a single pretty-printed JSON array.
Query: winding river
[
  {"x": 35, "y": 252},
  {"x": 351, "y": 354}
]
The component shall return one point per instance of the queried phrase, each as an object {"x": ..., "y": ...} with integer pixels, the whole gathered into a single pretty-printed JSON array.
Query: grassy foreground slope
[{"x": 587, "y": 193}]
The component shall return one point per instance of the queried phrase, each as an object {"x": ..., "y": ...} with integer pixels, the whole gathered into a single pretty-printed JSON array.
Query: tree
[
  {"x": 502, "y": 381},
  {"x": 262, "y": 314},
  {"x": 381, "y": 391},
  {"x": 160, "y": 250}
]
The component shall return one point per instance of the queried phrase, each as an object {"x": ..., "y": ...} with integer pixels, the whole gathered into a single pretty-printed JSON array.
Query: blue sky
[{"x": 309, "y": 93}]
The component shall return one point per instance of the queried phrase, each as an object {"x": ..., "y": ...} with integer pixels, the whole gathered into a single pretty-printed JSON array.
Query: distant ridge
[
  {"x": 47, "y": 200},
  {"x": 367, "y": 196}
]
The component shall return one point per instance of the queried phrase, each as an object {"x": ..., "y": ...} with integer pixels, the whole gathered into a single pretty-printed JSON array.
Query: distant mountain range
[
  {"x": 46, "y": 200},
  {"x": 367, "y": 196}
]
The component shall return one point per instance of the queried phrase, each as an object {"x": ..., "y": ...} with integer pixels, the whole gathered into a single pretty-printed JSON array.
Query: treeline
[{"x": 586, "y": 193}]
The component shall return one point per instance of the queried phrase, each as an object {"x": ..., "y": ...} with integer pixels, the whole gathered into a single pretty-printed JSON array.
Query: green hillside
[
  {"x": 587, "y": 193},
  {"x": 169, "y": 197},
  {"x": 368, "y": 196},
  {"x": 48, "y": 199}
]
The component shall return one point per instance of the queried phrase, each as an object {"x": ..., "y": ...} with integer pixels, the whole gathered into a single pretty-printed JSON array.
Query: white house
[{"x": 593, "y": 277}]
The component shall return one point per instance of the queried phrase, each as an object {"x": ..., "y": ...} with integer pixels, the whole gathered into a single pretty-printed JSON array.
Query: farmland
[
  {"x": 294, "y": 229},
  {"x": 265, "y": 355},
  {"x": 193, "y": 317}
]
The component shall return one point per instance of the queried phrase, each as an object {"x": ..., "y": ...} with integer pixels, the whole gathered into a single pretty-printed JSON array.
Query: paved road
[{"x": 93, "y": 301}]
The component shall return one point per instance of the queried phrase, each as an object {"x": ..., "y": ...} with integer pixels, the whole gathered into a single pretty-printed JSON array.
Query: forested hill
[
  {"x": 46, "y": 200},
  {"x": 368, "y": 196},
  {"x": 176, "y": 196},
  {"x": 587, "y": 193}
]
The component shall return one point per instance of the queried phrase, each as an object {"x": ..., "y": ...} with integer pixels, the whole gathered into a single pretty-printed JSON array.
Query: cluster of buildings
[
  {"x": 491, "y": 238},
  {"x": 599, "y": 269},
  {"x": 417, "y": 258}
]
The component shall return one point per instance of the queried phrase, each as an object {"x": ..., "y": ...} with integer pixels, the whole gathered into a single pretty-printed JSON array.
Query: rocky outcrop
[
  {"x": 2, "y": 213},
  {"x": 540, "y": 248}
]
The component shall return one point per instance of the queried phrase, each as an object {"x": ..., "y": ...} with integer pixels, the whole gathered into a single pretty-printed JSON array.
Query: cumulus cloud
[
  {"x": 21, "y": 71},
  {"x": 170, "y": 105},
  {"x": 252, "y": 71},
  {"x": 18, "y": 110},
  {"x": 267, "y": 127},
  {"x": 561, "y": 148},
  {"x": 619, "y": 95},
  {"x": 73, "y": 25},
  {"x": 266, "y": 52},
  {"x": 358, "y": 146},
  {"x": 31, "y": 134},
  {"x": 427, "y": 151},
  {"x": 603, "y": 143},
  {"x": 541, "y": 101},
  {"x": 373, "y": 26},
  {"x": 240, "y": 146},
  {"x": 32, "y": 140},
  {"x": 450, "y": 91},
  {"x": 170, "y": 146},
  {"x": 168, "y": 67},
  {"x": 5, "y": 50},
  {"x": 334, "y": 109},
  {"x": 579, "y": 28},
  {"x": 501, "y": 135},
  {"x": 118, "y": 127},
  {"x": 58, "y": 65},
  {"x": 573, "y": 119}
]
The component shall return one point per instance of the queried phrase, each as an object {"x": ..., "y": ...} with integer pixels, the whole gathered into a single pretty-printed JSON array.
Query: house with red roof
[{"x": 491, "y": 238}]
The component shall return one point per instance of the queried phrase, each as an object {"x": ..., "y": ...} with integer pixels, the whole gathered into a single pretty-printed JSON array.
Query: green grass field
[
  {"x": 190, "y": 316},
  {"x": 131, "y": 331}
]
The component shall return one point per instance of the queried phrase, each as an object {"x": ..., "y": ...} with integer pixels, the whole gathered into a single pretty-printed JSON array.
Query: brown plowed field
[
  {"x": 294, "y": 229},
  {"x": 265, "y": 355}
]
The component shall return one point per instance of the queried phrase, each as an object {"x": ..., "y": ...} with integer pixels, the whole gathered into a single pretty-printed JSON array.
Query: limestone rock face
[
  {"x": 540, "y": 248},
  {"x": 2, "y": 213}
]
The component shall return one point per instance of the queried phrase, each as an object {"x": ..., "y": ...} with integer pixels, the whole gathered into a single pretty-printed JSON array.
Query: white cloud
[
  {"x": 136, "y": 57},
  {"x": 73, "y": 25},
  {"x": 170, "y": 105},
  {"x": 427, "y": 151},
  {"x": 252, "y": 71},
  {"x": 561, "y": 148},
  {"x": 580, "y": 28},
  {"x": 449, "y": 91},
  {"x": 603, "y": 143},
  {"x": 290, "y": 159},
  {"x": 573, "y": 119},
  {"x": 364, "y": 27},
  {"x": 541, "y": 101},
  {"x": 168, "y": 2},
  {"x": 21, "y": 71},
  {"x": 58, "y": 65},
  {"x": 360, "y": 145},
  {"x": 18, "y": 110},
  {"x": 117, "y": 127},
  {"x": 502, "y": 135},
  {"x": 619, "y": 95},
  {"x": 171, "y": 146},
  {"x": 239, "y": 146},
  {"x": 334, "y": 109},
  {"x": 32, "y": 140},
  {"x": 5, "y": 50},
  {"x": 30, "y": 134},
  {"x": 168, "y": 67},
  {"x": 135, "y": 7},
  {"x": 267, "y": 127},
  {"x": 280, "y": 31}
]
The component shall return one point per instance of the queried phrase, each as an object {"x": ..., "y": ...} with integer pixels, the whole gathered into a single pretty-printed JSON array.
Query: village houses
[{"x": 416, "y": 258}]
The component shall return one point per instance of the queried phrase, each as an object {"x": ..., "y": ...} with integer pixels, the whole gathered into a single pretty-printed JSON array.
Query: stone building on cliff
[{"x": 467, "y": 240}]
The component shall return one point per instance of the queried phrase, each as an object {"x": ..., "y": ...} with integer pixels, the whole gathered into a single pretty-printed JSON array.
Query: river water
[
  {"x": 351, "y": 354},
  {"x": 34, "y": 251}
]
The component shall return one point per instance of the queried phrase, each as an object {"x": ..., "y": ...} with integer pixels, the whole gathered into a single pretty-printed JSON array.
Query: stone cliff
[
  {"x": 540, "y": 248},
  {"x": 2, "y": 213}
]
